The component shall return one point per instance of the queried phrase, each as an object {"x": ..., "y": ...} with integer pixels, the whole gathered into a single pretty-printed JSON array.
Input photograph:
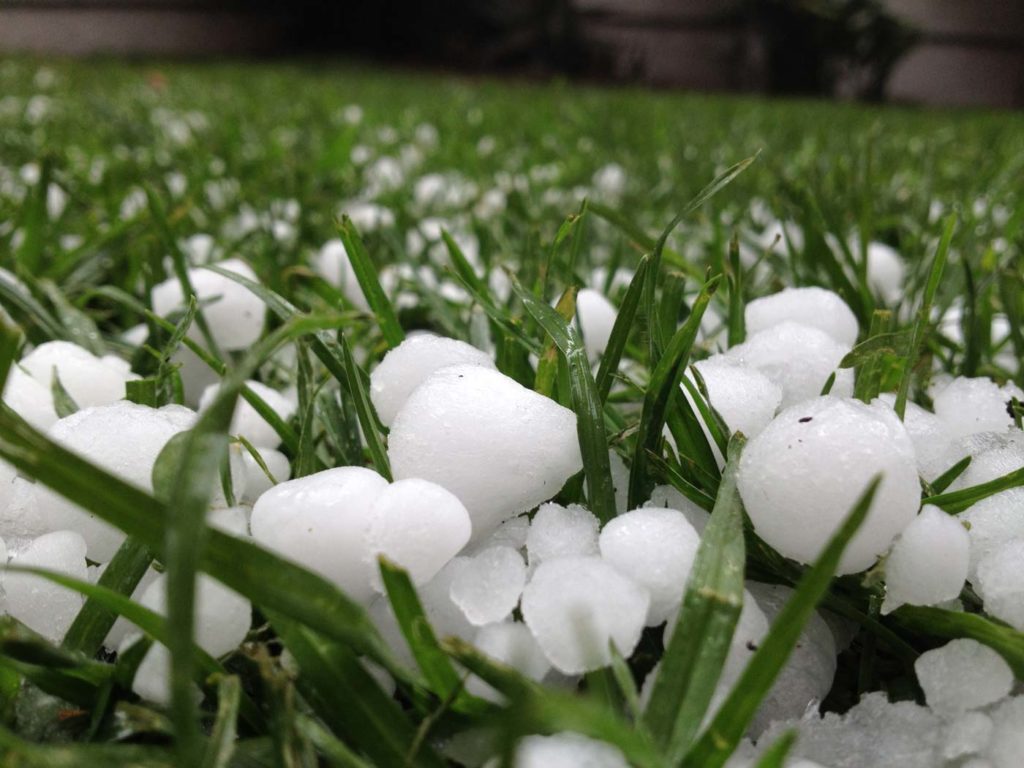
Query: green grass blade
[
  {"x": 697, "y": 495},
  {"x": 715, "y": 745},
  {"x": 122, "y": 575},
  {"x": 624, "y": 323},
  {"x": 663, "y": 386},
  {"x": 333, "y": 749},
  {"x": 585, "y": 401},
  {"x": 737, "y": 306},
  {"x": 957, "y": 501},
  {"x": 775, "y": 756},
  {"x": 356, "y": 388},
  {"x": 349, "y": 700},
  {"x": 698, "y": 391},
  {"x": 711, "y": 606},
  {"x": 924, "y": 313},
  {"x": 23, "y": 304},
  {"x": 366, "y": 275},
  {"x": 943, "y": 481},
  {"x": 225, "y": 726},
  {"x": 437, "y": 668},
  {"x": 34, "y": 220},
  {"x": 79, "y": 327},
  {"x": 63, "y": 403}
]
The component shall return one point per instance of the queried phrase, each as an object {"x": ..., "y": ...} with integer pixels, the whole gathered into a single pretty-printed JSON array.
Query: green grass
[{"x": 189, "y": 146}]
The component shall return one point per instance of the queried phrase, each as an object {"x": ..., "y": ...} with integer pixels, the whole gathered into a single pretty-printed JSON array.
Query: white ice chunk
[
  {"x": 596, "y": 317},
  {"x": 993, "y": 522},
  {"x": 331, "y": 263},
  {"x": 1007, "y": 743},
  {"x": 565, "y": 750},
  {"x": 667, "y": 497},
  {"x": 655, "y": 548},
  {"x": 886, "y": 272},
  {"x": 962, "y": 675},
  {"x": 1000, "y": 582},
  {"x": 508, "y": 643},
  {"x": 256, "y": 481},
  {"x": 968, "y": 406},
  {"x": 577, "y": 606},
  {"x": 88, "y": 379},
  {"x": 933, "y": 445},
  {"x": 487, "y": 589},
  {"x": 928, "y": 562},
  {"x": 246, "y": 420},
  {"x": 802, "y": 475},
  {"x": 501, "y": 448},
  {"x": 968, "y": 734},
  {"x": 558, "y": 531},
  {"x": 40, "y": 604},
  {"x": 31, "y": 399}
]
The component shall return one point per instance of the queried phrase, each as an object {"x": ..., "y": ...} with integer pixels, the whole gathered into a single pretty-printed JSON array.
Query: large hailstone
[
  {"x": 558, "y": 531},
  {"x": 799, "y": 358},
  {"x": 38, "y": 603},
  {"x": 88, "y": 379},
  {"x": 576, "y": 606},
  {"x": 815, "y": 307},
  {"x": 596, "y": 317},
  {"x": 337, "y": 521},
  {"x": 256, "y": 480},
  {"x": 487, "y": 589},
  {"x": 123, "y": 438},
  {"x": 962, "y": 675},
  {"x": 969, "y": 406},
  {"x": 246, "y": 420},
  {"x": 800, "y": 478},
  {"x": 656, "y": 549},
  {"x": 928, "y": 562},
  {"x": 331, "y": 262},
  {"x": 222, "y": 620},
  {"x": 499, "y": 447},
  {"x": 31, "y": 399},
  {"x": 411, "y": 363},
  {"x": 565, "y": 750},
  {"x": 233, "y": 313}
]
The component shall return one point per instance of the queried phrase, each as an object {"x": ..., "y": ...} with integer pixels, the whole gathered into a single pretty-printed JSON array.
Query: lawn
[{"x": 355, "y": 206}]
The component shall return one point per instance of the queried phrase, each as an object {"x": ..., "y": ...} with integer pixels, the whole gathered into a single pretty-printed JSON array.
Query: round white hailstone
[
  {"x": 928, "y": 562},
  {"x": 233, "y": 313},
  {"x": 508, "y": 643},
  {"x": 30, "y": 399},
  {"x": 802, "y": 475},
  {"x": 655, "y": 548},
  {"x": 152, "y": 681},
  {"x": 993, "y": 522},
  {"x": 807, "y": 676},
  {"x": 620, "y": 480},
  {"x": 38, "y": 603},
  {"x": 968, "y": 406},
  {"x": 333, "y": 265},
  {"x": 123, "y": 438},
  {"x": 501, "y": 448},
  {"x": 558, "y": 531},
  {"x": 196, "y": 375},
  {"x": 487, "y": 589},
  {"x": 417, "y": 525},
  {"x": 88, "y": 379},
  {"x": 565, "y": 750},
  {"x": 811, "y": 306},
  {"x": 596, "y": 316},
  {"x": 19, "y": 509},
  {"x": 122, "y": 627},
  {"x": 744, "y": 397},
  {"x": 321, "y": 521},
  {"x": 1000, "y": 582},
  {"x": 576, "y": 606},
  {"x": 667, "y": 497},
  {"x": 933, "y": 445},
  {"x": 409, "y": 364},
  {"x": 256, "y": 481},
  {"x": 968, "y": 734},
  {"x": 961, "y": 675},
  {"x": 246, "y": 420},
  {"x": 1007, "y": 743},
  {"x": 798, "y": 358},
  {"x": 886, "y": 272},
  {"x": 230, "y": 520}
]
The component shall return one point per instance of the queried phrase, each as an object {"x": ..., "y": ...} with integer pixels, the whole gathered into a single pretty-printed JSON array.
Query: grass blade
[
  {"x": 775, "y": 756},
  {"x": 585, "y": 401},
  {"x": 957, "y": 501},
  {"x": 715, "y": 745},
  {"x": 225, "y": 727},
  {"x": 366, "y": 275},
  {"x": 711, "y": 606},
  {"x": 624, "y": 322}
]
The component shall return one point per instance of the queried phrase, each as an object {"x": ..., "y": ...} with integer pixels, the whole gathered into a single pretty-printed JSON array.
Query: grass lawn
[{"x": 468, "y": 208}]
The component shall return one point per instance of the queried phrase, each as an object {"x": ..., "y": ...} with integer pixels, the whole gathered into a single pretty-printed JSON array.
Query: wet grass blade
[
  {"x": 437, "y": 668},
  {"x": 122, "y": 575},
  {"x": 715, "y": 745},
  {"x": 585, "y": 401},
  {"x": 711, "y": 606},
  {"x": 924, "y": 313},
  {"x": 957, "y": 501},
  {"x": 356, "y": 388},
  {"x": 943, "y": 481},
  {"x": 366, "y": 275},
  {"x": 737, "y": 328},
  {"x": 221, "y": 745},
  {"x": 333, "y": 749},
  {"x": 663, "y": 386},
  {"x": 349, "y": 700},
  {"x": 624, "y": 324},
  {"x": 775, "y": 756}
]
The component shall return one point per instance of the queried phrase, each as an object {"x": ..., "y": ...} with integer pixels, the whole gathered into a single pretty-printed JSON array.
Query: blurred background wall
[{"x": 943, "y": 52}]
